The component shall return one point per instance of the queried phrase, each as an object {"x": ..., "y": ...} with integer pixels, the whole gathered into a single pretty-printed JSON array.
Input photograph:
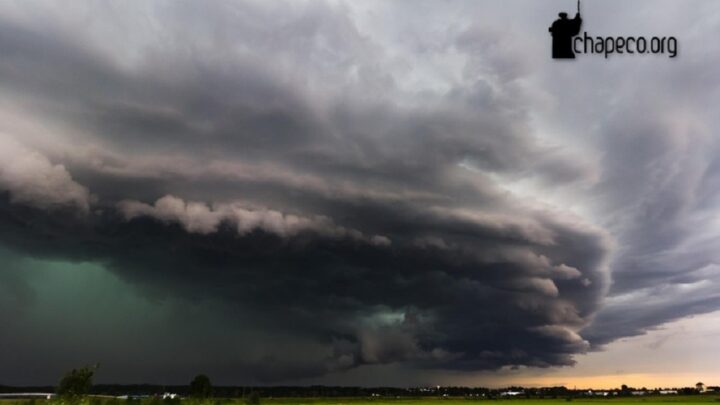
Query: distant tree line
[
  {"x": 332, "y": 391},
  {"x": 78, "y": 382}
]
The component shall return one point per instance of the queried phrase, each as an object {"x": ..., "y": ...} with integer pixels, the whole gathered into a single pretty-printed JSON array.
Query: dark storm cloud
[
  {"x": 660, "y": 190},
  {"x": 278, "y": 169},
  {"x": 483, "y": 299},
  {"x": 280, "y": 162}
]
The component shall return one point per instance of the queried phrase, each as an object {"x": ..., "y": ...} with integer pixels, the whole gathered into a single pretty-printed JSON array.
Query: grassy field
[{"x": 650, "y": 400}]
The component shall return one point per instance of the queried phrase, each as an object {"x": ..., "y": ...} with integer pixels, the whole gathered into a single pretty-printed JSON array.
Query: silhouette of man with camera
[{"x": 563, "y": 30}]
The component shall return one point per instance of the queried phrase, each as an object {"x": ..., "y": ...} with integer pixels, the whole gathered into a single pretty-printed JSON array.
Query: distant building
[
  {"x": 28, "y": 395},
  {"x": 667, "y": 392}
]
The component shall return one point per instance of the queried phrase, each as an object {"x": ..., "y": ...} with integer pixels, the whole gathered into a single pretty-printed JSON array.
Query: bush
[{"x": 253, "y": 398}]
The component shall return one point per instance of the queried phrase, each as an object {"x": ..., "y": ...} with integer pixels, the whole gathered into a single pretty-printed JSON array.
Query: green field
[{"x": 649, "y": 400}]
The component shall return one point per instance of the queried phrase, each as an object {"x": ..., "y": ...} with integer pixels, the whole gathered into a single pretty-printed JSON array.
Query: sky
[{"x": 357, "y": 193}]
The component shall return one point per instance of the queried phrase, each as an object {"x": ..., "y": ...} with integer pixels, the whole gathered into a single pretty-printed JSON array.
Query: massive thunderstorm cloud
[{"x": 316, "y": 186}]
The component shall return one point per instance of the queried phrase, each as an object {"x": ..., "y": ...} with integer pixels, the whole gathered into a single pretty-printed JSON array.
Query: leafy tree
[
  {"x": 77, "y": 382},
  {"x": 253, "y": 398},
  {"x": 200, "y": 387}
]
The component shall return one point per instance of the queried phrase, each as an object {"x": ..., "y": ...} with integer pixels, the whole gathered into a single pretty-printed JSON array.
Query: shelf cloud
[{"x": 363, "y": 195}]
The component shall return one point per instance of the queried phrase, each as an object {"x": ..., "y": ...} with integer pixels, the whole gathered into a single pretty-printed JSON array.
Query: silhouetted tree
[
  {"x": 253, "y": 398},
  {"x": 77, "y": 382},
  {"x": 200, "y": 387}
]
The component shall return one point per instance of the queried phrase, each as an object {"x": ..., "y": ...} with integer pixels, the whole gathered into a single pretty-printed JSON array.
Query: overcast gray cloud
[{"x": 372, "y": 184}]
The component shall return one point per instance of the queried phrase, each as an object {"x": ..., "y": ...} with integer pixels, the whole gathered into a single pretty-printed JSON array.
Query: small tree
[
  {"x": 77, "y": 382},
  {"x": 253, "y": 398},
  {"x": 200, "y": 387}
]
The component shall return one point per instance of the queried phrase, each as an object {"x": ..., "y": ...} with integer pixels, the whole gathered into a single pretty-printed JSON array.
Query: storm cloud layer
[{"x": 343, "y": 194}]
